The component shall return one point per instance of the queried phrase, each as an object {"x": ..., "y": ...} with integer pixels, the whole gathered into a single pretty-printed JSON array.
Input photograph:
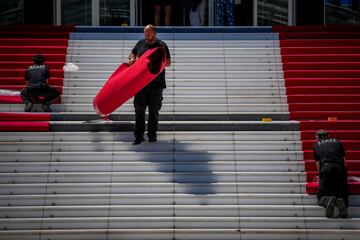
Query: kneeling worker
[
  {"x": 333, "y": 190},
  {"x": 37, "y": 76}
]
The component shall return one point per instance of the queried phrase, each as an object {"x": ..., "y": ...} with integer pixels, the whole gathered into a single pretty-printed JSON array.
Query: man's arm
[
  {"x": 27, "y": 76},
  {"x": 168, "y": 56},
  {"x": 343, "y": 152},
  {"x": 316, "y": 156},
  {"x": 47, "y": 75}
]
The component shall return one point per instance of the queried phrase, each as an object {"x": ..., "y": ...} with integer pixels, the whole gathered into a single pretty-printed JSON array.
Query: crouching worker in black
[
  {"x": 333, "y": 190},
  {"x": 37, "y": 77},
  {"x": 151, "y": 95}
]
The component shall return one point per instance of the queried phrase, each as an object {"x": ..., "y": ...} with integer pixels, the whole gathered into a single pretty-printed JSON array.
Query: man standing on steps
[
  {"x": 37, "y": 77},
  {"x": 151, "y": 95},
  {"x": 329, "y": 154}
]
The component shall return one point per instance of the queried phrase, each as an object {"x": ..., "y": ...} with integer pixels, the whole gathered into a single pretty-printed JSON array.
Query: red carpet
[
  {"x": 24, "y": 65},
  {"x": 316, "y": 82},
  {"x": 54, "y": 81},
  {"x": 21, "y": 116},
  {"x": 15, "y": 57},
  {"x": 323, "y": 90},
  {"x": 320, "y": 50},
  {"x": 57, "y": 73},
  {"x": 10, "y": 99},
  {"x": 293, "y": 107},
  {"x": 17, "y": 46},
  {"x": 26, "y": 126},
  {"x": 329, "y": 58},
  {"x": 322, "y": 76}
]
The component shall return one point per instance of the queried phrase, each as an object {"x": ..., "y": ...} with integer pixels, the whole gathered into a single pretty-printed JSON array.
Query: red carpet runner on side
[
  {"x": 17, "y": 46},
  {"x": 322, "y": 77}
]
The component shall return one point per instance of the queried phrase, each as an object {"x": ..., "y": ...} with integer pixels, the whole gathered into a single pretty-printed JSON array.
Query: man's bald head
[
  {"x": 150, "y": 27},
  {"x": 150, "y": 34}
]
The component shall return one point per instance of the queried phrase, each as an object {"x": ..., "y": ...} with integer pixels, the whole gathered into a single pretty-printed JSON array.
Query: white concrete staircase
[{"x": 216, "y": 172}]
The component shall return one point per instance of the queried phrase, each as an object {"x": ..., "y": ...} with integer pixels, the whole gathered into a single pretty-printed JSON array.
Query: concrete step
[
  {"x": 203, "y": 166},
  {"x": 201, "y": 99},
  {"x": 144, "y": 166},
  {"x": 172, "y": 91},
  {"x": 163, "y": 136},
  {"x": 220, "y": 59},
  {"x": 227, "y": 83},
  {"x": 253, "y": 199},
  {"x": 112, "y": 210},
  {"x": 178, "y": 126},
  {"x": 179, "y": 222},
  {"x": 196, "y": 157},
  {"x": 160, "y": 146},
  {"x": 193, "y": 66},
  {"x": 166, "y": 107},
  {"x": 219, "y": 36},
  {"x": 116, "y": 176},
  {"x": 187, "y": 74},
  {"x": 154, "y": 188},
  {"x": 166, "y": 116},
  {"x": 183, "y": 234},
  {"x": 177, "y": 43},
  {"x": 176, "y": 51}
]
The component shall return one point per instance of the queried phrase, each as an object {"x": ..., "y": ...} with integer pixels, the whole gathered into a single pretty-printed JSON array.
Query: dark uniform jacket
[
  {"x": 141, "y": 47},
  {"x": 329, "y": 151},
  {"x": 36, "y": 75}
]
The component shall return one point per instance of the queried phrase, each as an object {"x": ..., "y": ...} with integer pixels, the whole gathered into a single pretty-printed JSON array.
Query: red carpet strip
[
  {"x": 17, "y": 46},
  {"x": 321, "y": 70}
]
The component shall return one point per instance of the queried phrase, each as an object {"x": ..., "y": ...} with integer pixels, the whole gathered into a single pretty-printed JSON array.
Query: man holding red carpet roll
[{"x": 151, "y": 95}]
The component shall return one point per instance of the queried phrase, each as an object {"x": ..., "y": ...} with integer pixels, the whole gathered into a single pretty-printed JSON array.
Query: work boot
[
  {"x": 46, "y": 107},
  {"x": 330, "y": 205},
  {"x": 28, "y": 107},
  {"x": 138, "y": 140},
  {"x": 152, "y": 139},
  {"x": 343, "y": 213}
]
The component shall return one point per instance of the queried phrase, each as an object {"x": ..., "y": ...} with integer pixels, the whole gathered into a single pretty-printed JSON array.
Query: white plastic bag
[
  {"x": 70, "y": 67},
  {"x": 9, "y": 92}
]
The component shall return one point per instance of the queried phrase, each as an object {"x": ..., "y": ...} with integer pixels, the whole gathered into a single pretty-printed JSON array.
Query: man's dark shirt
[
  {"x": 329, "y": 150},
  {"x": 37, "y": 75},
  {"x": 141, "y": 47}
]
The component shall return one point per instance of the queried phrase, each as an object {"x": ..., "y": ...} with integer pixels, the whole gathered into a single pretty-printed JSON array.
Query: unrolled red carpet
[
  {"x": 322, "y": 76},
  {"x": 17, "y": 46}
]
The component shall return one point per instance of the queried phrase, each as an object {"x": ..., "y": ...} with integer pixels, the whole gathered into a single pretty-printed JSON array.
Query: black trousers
[
  {"x": 32, "y": 94},
  {"x": 333, "y": 182},
  {"x": 151, "y": 98}
]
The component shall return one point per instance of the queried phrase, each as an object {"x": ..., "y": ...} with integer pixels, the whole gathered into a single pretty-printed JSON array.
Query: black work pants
[
  {"x": 333, "y": 182},
  {"x": 151, "y": 98},
  {"x": 32, "y": 94}
]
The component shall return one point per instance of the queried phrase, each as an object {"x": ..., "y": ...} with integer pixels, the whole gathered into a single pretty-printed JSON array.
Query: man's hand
[{"x": 132, "y": 59}]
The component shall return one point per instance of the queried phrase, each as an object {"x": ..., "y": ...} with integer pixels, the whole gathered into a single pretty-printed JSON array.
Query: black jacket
[{"x": 141, "y": 47}]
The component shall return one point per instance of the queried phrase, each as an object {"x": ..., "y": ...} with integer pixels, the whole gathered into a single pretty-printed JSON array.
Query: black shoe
[
  {"x": 152, "y": 139},
  {"x": 28, "y": 107},
  {"x": 46, "y": 108},
  {"x": 138, "y": 141},
  {"x": 343, "y": 213},
  {"x": 329, "y": 212}
]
